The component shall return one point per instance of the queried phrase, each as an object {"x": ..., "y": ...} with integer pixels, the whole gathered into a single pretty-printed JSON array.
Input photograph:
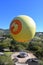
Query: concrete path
[{"x": 20, "y": 64}]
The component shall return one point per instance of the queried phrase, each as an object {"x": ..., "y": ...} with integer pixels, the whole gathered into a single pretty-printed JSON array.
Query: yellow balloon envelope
[{"x": 22, "y": 28}]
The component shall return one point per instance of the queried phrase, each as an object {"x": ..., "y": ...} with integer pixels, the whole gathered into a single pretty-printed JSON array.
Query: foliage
[
  {"x": 40, "y": 62},
  {"x": 5, "y": 59},
  {"x": 36, "y": 45}
]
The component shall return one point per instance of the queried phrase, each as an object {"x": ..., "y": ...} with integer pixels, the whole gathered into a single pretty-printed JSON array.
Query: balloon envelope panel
[{"x": 22, "y": 28}]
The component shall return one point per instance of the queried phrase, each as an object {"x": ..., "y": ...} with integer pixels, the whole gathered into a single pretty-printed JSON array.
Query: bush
[{"x": 39, "y": 53}]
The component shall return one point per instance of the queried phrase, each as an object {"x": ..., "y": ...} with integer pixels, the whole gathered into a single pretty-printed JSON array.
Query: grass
[
  {"x": 6, "y": 58},
  {"x": 40, "y": 62},
  {"x": 8, "y": 53}
]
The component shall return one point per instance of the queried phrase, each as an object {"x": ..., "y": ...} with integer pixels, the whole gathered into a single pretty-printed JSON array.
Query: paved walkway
[
  {"x": 20, "y": 64},
  {"x": 22, "y": 60}
]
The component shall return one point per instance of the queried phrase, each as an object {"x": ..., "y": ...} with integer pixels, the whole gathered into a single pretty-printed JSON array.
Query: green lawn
[{"x": 6, "y": 59}]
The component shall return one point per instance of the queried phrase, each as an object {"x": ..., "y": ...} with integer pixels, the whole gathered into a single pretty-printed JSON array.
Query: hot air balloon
[{"x": 22, "y": 28}]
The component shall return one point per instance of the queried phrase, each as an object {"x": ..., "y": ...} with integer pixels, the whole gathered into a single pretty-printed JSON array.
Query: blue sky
[{"x": 11, "y": 8}]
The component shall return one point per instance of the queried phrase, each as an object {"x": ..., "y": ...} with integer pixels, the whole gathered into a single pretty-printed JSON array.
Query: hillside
[{"x": 4, "y": 31}]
